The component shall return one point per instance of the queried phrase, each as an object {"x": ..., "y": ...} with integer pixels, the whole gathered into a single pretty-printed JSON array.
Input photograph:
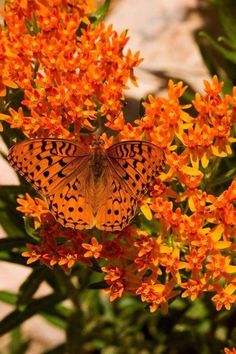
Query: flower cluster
[
  {"x": 72, "y": 76},
  {"x": 189, "y": 248},
  {"x": 230, "y": 351}
]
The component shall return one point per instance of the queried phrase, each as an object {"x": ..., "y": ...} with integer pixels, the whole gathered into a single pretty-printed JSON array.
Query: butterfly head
[{"x": 97, "y": 143}]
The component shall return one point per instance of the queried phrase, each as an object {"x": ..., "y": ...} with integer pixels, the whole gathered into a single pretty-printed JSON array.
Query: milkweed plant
[{"x": 64, "y": 74}]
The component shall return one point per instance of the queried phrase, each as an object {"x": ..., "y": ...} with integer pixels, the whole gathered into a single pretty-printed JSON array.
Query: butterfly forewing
[
  {"x": 47, "y": 163},
  {"x": 137, "y": 163}
]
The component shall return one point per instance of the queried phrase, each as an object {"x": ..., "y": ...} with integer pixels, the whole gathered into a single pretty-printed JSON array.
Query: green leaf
[
  {"x": 95, "y": 266},
  {"x": 14, "y": 190},
  {"x": 14, "y": 257},
  {"x": 228, "y": 176},
  {"x": 10, "y": 134},
  {"x": 14, "y": 98},
  {"x": 99, "y": 15},
  {"x": 8, "y": 298},
  {"x": 31, "y": 285},
  {"x": 30, "y": 230},
  {"x": 10, "y": 219},
  {"x": 207, "y": 59},
  {"x": 98, "y": 285},
  {"x": 56, "y": 316},
  {"x": 12, "y": 242},
  {"x": 52, "y": 280},
  {"x": 32, "y": 25},
  {"x": 60, "y": 349},
  {"x": 75, "y": 332},
  {"x": 197, "y": 310},
  {"x": 15, "y": 318},
  {"x": 141, "y": 107},
  {"x": 227, "y": 14},
  {"x": 227, "y": 54},
  {"x": 17, "y": 345},
  {"x": 55, "y": 320}
]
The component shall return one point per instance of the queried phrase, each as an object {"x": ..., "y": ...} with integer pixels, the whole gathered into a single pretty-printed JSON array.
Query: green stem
[{"x": 70, "y": 288}]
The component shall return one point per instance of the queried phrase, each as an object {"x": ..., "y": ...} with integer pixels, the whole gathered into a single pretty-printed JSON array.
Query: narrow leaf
[
  {"x": 56, "y": 321},
  {"x": 15, "y": 318},
  {"x": 8, "y": 189},
  {"x": 228, "y": 176},
  {"x": 227, "y": 54},
  {"x": 10, "y": 219},
  {"x": 227, "y": 14},
  {"x": 75, "y": 332},
  {"x": 60, "y": 349},
  {"x": 141, "y": 107},
  {"x": 9, "y": 243},
  {"x": 31, "y": 285},
  {"x": 17, "y": 344},
  {"x": 98, "y": 285},
  {"x": 207, "y": 60},
  {"x": 99, "y": 15},
  {"x": 8, "y": 298},
  {"x": 14, "y": 257},
  {"x": 29, "y": 228}
]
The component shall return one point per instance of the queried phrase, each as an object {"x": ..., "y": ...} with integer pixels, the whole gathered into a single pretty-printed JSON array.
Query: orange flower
[
  {"x": 222, "y": 208},
  {"x": 157, "y": 294},
  {"x": 67, "y": 259},
  {"x": 195, "y": 260},
  {"x": 225, "y": 297},
  {"x": 172, "y": 264},
  {"x": 33, "y": 255},
  {"x": 220, "y": 266},
  {"x": 33, "y": 208},
  {"x": 115, "y": 280},
  {"x": 3, "y": 117},
  {"x": 94, "y": 249},
  {"x": 230, "y": 351},
  {"x": 150, "y": 251},
  {"x": 194, "y": 287}
]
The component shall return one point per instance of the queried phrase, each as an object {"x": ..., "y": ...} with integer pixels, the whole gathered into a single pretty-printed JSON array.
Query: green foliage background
[{"x": 91, "y": 323}]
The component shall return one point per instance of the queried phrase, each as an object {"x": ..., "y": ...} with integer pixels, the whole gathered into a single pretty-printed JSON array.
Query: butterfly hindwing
[
  {"x": 136, "y": 163},
  {"x": 69, "y": 205},
  {"x": 47, "y": 163},
  {"x": 118, "y": 209}
]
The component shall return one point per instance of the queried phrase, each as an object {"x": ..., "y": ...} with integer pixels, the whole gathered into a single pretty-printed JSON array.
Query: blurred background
[{"x": 166, "y": 33}]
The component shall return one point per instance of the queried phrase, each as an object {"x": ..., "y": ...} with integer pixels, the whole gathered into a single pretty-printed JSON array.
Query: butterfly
[{"x": 89, "y": 186}]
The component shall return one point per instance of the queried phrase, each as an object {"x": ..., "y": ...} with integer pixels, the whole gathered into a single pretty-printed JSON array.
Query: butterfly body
[
  {"x": 98, "y": 162},
  {"x": 88, "y": 186}
]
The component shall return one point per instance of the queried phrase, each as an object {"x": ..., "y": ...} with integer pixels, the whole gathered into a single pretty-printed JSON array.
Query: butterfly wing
[
  {"x": 137, "y": 163},
  {"x": 132, "y": 165},
  {"x": 69, "y": 204},
  {"x": 47, "y": 163},
  {"x": 119, "y": 206},
  {"x": 57, "y": 169}
]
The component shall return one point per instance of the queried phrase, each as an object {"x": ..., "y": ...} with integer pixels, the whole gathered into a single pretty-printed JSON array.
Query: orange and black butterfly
[{"x": 89, "y": 186}]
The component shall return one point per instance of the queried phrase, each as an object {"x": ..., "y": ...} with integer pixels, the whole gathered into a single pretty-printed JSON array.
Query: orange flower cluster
[
  {"x": 71, "y": 74},
  {"x": 188, "y": 247},
  {"x": 230, "y": 351}
]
